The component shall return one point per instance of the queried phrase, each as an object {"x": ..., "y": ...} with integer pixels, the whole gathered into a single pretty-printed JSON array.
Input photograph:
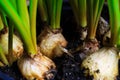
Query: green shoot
[
  {"x": 49, "y": 9},
  {"x": 22, "y": 27},
  {"x": 33, "y": 10},
  {"x": 58, "y": 13},
  {"x": 54, "y": 9},
  {"x": 74, "y": 6},
  {"x": 10, "y": 40},
  {"x": 82, "y": 13},
  {"x": 13, "y": 2},
  {"x": 43, "y": 10},
  {"x": 23, "y": 13},
  {"x": 114, "y": 12},
  {"x": 79, "y": 10},
  {"x": 3, "y": 16},
  {"x": 53, "y": 15},
  {"x": 94, "y": 8},
  {"x": 1, "y": 23}
]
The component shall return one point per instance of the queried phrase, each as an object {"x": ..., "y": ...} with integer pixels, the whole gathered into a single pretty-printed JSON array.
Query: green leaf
[
  {"x": 82, "y": 10},
  {"x": 23, "y": 13},
  {"x": 33, "y": 12},
  {"x": 43, "y": 10},
  {"x": 114, "y": 12},
  {"x": 10, "y": 40},
  {"x": 94, "y": 9},
  {"x": 1, "y": 23},
  {"x": 90, "y": 19},
  {"x": 12, "y": 14},
  {"x": 58, "y": 13},
  {"x": 53, "y": 15}
]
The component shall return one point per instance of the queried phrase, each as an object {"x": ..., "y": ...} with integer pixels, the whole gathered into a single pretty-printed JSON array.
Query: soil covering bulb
[{"x": 103, "y": 64}]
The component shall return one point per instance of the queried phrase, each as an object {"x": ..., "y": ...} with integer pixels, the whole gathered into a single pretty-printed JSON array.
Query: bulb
[
  {"x": 37, "y": 67},
  {"x": 51, "y": 43},
  {"x": 103, "y": 64},
  {"x": 17, "y": 47}
]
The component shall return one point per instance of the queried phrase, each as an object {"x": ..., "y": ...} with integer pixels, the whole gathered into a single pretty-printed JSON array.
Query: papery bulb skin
[
  {"x": 17, "y": 47},
  {"x": 88, "y": 47},
  {"x": 102, "y": 28},
  {"x": 106, "y": 38},
  {"x": 102, "y": 64},
  {"x": 37, "y": 67},
  {"x": 50, "y": 43}
]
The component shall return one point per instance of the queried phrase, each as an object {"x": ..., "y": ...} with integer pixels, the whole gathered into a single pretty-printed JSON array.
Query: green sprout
[
  {"x": 1, "y": 23},
  {"x": 43, "y": 10},
  {"x": 94, "y": 8},
  {"x": 80, "y": 11},
  {"x": 114, "y": 11},
  {"x": 24, "y": 22},
  {"x": 50, "y": 11}
]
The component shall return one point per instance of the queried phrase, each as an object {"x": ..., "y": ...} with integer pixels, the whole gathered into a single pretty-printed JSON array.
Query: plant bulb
[
  {"x": 36, "y": 68},
  {"x": 102, "y": 64},
  {"x": 17, "y": 47},
  {"x": 50, "y": 43}
]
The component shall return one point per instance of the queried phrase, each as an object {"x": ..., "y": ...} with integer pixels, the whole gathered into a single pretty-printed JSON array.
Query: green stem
[
  {"x": 114, "y": 20},
  {"x": 82, "y": 13},
  {"x": 1, "y": 23},
  {"x": 12, "y": 14},
  {"x": 33, "y": 10},
  {"x": 53, "y": 15},
  {"x": 58, "y": 13},
  {"x": 95, "y": 7},
  {"x": 3, "y": 16},
  {"x": 97, "y": 16},
  {"x": 13, "y": 2},
  {"x": 94, "y": 11},
  {"x": 49, "y": 9},
  {"x": 23, "y": 13},
  {"x": 91, "y": 35},
  {"x": 74, "y": 6},
  {"x": 10, "y": 40},
  {"x": 43, "y": 10}
]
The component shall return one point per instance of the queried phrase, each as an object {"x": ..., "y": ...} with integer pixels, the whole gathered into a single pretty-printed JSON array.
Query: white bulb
[
  {"x": 36, "y": 67},
  {"x": 103, "y": 64},
  {"x": 17, "y": 47}
]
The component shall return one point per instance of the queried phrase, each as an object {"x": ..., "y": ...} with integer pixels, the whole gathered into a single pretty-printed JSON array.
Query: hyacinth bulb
[
  {"x": 17, "y": 47},
  {"x": 37, "y": 68},
  {"x": 50, "y": 43},
  {"x": 103, "y": 64}
]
